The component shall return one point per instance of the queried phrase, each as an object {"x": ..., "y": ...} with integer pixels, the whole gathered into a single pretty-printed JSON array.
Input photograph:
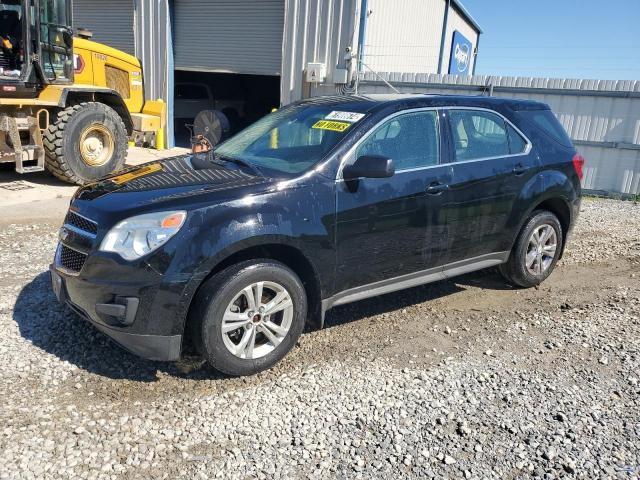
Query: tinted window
[
  {"x": 547, "y": 121},
  {"x": 410, "y": 140},
  {"x": 517, "y": 144},
  {"x": 478, "y": 134}
]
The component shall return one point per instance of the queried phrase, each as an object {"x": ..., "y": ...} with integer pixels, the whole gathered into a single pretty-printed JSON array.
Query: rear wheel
[
  {"x": 249, "y": 316},
  {"x": 536, "y": 252},
  {"x": 85, "y": 142}
]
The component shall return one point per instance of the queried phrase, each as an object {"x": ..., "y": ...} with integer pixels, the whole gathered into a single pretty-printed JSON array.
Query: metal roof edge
[{"x": 465, "y": 13}]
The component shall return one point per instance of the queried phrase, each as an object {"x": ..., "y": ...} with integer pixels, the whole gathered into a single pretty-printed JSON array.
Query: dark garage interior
[{"x": 241, "y": 98}]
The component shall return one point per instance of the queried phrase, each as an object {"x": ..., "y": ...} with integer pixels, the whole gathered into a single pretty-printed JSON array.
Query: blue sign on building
[{"x": 461, "y": 53}]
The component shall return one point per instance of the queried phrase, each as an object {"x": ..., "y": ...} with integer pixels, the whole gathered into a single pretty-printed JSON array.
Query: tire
[
  {"x": 214, "y": 308},
  {"x": 64, "y": 158},
  {"x": 516, "y": 271}
]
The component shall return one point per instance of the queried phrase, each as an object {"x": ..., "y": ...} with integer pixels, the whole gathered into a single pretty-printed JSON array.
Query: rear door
[
  {"x": 492, "y": 162},
  {"x": 389, "y": 227}
]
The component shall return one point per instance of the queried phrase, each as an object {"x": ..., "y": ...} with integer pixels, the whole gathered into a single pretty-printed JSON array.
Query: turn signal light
[
  {"x": 578, "y": 163},
  {"x": 173, "y": 221}
]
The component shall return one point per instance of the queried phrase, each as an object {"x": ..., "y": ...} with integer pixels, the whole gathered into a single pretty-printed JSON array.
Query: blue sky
[{"x": 559, "y": 38}]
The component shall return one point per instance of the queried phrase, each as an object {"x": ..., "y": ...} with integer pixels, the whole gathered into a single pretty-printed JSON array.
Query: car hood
[{"x": 179, "y": 182}]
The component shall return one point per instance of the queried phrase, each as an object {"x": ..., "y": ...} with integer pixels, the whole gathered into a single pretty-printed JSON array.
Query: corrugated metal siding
[
  {"x": 315, "y": 31},
  {"x": 459, "y": 23},
  {"x": 153, "y": 48},
  {"x": 152, "y": 38},
  {"x": 237, "y": 36},
  {"x": 601, "y": 116},
  {"x": 112, "y": 22},
  {"x": 404, "y": 36}
]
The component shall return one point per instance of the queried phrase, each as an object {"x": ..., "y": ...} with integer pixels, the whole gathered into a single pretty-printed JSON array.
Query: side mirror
[{"x": 369, "y": 166}]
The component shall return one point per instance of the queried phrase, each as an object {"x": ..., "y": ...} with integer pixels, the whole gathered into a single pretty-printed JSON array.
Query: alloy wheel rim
[
  {"x": 257, "y": 320},
  {"x": 541, "y": 250},
  {"x": 96, "y": 145}
]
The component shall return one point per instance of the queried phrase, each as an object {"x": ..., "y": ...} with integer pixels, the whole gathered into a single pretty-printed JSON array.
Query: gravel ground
[{"x": 459, "y": 379}]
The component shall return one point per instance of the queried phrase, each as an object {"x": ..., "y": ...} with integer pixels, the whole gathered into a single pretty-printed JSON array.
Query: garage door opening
[{"x": 242, "y": 99}]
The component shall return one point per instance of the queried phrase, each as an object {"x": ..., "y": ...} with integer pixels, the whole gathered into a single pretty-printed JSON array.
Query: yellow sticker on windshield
[
  {"x": 141, "y": 172},
  {"x": 331, "y": 125}
]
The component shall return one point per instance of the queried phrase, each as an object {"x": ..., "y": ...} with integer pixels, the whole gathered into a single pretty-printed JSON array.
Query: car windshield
[{"x": 292, "y": 140}]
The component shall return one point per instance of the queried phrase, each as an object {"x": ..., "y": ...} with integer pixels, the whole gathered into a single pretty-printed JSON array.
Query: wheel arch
[
  {"x": 284, "y": 253},
  {"x": 109, "y": 97}
]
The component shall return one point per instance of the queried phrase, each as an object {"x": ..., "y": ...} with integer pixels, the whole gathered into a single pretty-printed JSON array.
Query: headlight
[{"x": 136, "y": 236}]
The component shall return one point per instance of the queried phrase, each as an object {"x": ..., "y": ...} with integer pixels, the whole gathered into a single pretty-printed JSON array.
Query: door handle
[
  {"x": 436, "y": 188},
  {"x": 519, "y": 169}
]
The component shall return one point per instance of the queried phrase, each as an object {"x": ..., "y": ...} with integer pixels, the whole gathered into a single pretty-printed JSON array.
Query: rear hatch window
[{"x": 547, "y": 122}]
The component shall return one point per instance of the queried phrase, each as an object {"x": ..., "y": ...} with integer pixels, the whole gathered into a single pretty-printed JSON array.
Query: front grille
[
  {"x": 81, "y": 223},
  {"x": 70, "y": 259},
  {"x": 117, "y": 80}
]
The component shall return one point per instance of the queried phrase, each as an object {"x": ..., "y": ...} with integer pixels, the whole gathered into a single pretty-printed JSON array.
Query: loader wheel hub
[{"x": 96, "y": 145}]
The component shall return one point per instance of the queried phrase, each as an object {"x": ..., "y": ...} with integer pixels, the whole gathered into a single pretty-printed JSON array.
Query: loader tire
[{"x": 85, "y": 142}]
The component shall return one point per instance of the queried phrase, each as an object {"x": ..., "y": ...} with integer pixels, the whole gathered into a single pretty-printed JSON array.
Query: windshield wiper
[{"x": 239, "y": 161}]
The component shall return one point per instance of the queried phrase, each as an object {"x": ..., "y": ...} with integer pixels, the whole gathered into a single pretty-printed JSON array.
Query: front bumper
[{"x": 128, "y": 323}]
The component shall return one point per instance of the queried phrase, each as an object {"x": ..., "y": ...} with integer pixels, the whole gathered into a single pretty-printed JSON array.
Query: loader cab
[{"x": 36, "y": 44}]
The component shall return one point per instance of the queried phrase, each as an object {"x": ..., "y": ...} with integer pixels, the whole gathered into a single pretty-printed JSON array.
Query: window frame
[
  {"x": 349, "y": 156},
  {"x": 452, "y": 161}
]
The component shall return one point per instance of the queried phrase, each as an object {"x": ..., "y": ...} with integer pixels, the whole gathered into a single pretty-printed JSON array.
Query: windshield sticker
[
  {"x": 329, "y": 125},
  {"x": 344, "y": 116}
]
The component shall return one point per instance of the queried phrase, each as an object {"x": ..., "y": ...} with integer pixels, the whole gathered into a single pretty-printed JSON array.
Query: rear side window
[
  {"x": 478, "y": 134},
  {"x": 547, "y": 121},
  {"x": 517, "y": 144}
]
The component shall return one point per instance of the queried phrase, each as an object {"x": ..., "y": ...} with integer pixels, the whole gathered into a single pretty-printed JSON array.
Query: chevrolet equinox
[{"x": 326, "y": 201}]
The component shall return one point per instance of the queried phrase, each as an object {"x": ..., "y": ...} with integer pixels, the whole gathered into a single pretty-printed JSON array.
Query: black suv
[{"x": 324, "y": 202}]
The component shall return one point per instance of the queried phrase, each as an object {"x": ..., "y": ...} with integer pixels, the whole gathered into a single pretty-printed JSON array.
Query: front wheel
[
  {"x": 249, "y": 316},
  {"x": 536, "y": 252}
]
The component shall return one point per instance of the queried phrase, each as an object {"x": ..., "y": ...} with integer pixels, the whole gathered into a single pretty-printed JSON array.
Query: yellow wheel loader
[{"x": 68, "y": 104}]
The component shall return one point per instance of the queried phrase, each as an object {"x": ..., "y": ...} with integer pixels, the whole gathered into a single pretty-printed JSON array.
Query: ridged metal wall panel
[
  {"x": 235, "y": 36},
  {"x": 315, "y": 31},
  {"x": 601, "y": 116},
  {"x": 112, "y": 22},
  {"x": 404, "y": 36},
  {"x": 153, "y": 48}
]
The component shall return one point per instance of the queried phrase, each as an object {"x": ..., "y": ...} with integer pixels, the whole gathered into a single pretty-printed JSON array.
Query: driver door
[{"x": 389, "y": 227}]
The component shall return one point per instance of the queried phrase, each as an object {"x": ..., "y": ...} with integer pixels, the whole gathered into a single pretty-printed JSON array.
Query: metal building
[{"x": 266, "y": 53}]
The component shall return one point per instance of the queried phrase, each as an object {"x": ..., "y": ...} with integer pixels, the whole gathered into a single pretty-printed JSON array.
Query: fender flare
[{"x": 107, "y": 96}]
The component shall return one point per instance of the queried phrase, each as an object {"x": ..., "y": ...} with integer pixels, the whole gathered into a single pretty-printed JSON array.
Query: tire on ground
[
  {"x": 515, "y": 270},
  {"x": 62, "y": 142},
  {"x": 215, "y": 295}
]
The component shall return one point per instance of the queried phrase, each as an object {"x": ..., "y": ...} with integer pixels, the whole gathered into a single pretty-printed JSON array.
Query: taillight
[{"x": 578, "y": 163}]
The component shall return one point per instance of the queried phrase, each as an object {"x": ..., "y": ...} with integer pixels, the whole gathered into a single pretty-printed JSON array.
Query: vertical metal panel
[
  {"x": 152, "y": 38},
  {"x": 601, "y": 116},
  {"x": 112, "y": 22},
  {"x": 457, "y": 22},
  {"x": 315, "y": 31},
  {"x": 235, "y": 36},
  {"x": 153, "y": 48},
  {"x": 404, "y": 36}
]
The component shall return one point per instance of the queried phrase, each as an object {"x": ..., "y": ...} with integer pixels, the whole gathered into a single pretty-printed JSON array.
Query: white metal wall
[
  {"x": 602, "y": 117},
  {"x": 235, "y": 36},
  {"x": 112, "y": 22},
  {"x": 404, "y": 36},
  {"x": 315, "y": 31}
]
